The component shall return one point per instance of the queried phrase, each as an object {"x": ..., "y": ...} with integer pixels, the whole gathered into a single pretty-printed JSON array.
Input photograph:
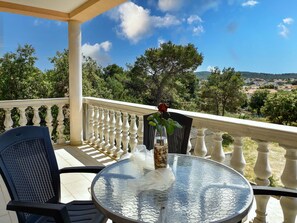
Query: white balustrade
[
  {"x": 218, "y": 152},
  {"x": 49, "y": 120},
  {"x": 133, "y": 133},
  {"x": 96, "y": 126},
  {"x": 106, "y": 130},
  {"x": 36, "y": 118},
  {"x": 126, "y": 137},
  {"x": 91, "y": 136},
  {"x": 23, "y": 118},
  {"x": 112, "y": 133},
  {"x": 8, "y": 120},
  {"x": 140, "y": 130},
  {"x": 60, "y": 127},
  {"x": 263, "y": 172},
  {"x": 237, "y": 160},
  {"x": 119, "y": 135},
  {"x": 101, "y": 128},
  {"x": 200, "y": 147},
  {"x": 23, "y": 107},
  {"x": 289, "y": 179}
]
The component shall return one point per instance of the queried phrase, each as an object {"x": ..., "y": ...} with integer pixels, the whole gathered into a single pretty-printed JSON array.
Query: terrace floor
[{"x": 76, "y": 185}]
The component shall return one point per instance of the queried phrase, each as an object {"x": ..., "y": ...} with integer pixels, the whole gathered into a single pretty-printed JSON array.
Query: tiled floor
[{"x": 76, "y": 185}]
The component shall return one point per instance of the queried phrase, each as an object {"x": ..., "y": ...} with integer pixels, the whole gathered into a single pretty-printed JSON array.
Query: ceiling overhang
[{"x": 61, "y": 10}]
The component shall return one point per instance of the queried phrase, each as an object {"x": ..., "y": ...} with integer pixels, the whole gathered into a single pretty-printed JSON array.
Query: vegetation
[
  {"x": 222, "y": 91},
  {"x": 257, "y": 100}
]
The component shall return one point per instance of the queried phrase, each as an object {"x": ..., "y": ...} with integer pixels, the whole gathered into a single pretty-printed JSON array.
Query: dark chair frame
[
  {"x": 30, "y": 210},
  {"x": 184, "y": 121}
]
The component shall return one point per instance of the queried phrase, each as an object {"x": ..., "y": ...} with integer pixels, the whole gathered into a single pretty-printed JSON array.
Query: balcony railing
[{"x": 116, "y": 128}]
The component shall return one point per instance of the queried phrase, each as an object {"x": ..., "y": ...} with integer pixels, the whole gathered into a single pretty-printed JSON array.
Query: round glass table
[{"x": 203, "y": 191}]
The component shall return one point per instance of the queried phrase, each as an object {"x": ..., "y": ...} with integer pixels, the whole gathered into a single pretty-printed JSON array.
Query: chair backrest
[
  {"x": 28, "y": 166},
  {"x": 178, "y": 141}
]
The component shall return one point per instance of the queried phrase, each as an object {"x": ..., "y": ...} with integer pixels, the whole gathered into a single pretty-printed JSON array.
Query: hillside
[{"x": 246, "y": 74}]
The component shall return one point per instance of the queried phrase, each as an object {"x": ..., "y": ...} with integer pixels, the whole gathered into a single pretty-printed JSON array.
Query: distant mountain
[{"x": 246, "y": 74}]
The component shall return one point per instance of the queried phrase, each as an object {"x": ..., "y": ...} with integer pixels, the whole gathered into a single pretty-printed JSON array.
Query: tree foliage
[
  {"x": 222, "y": 91},
  {"x": 161, "y": 71},
  {"x": 19, "y": 77},
  {"x": 257, "y": 100},
  {"x": 281, "y": 108}
]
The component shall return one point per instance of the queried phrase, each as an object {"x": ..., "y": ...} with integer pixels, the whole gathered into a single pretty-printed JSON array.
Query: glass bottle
[{"x": 160, "y": 148}]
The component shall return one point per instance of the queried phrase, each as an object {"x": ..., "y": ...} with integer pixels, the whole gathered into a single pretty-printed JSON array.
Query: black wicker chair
[
  {"x": 29, "y": 168},
  {"x": 178, "y": 141}
]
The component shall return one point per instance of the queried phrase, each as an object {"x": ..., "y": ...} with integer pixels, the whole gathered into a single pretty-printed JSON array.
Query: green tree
[
  {"x": 258, "y": 99},
  {"x": 58, "y": 77},
  {"x": 222, "y": 91},
  {"x": 281, "y": 108},
  {"x": 160, "y": 70},
  {"x": 20, "y": 79}
]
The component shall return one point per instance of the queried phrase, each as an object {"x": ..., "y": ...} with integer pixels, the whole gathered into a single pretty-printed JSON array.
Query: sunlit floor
[{"x": 77, "y": 185}]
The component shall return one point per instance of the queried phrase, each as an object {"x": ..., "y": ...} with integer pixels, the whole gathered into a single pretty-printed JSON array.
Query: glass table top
[{"x": 203, "y": 191}]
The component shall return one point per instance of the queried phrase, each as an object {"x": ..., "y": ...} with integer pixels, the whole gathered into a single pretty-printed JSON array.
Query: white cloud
[
  {"x": 161, "y": 41},
  {"x": 198, "y": 30},
  {"x": 194, "y": 18},
  {"x": 250, "y": 3},
  {"x": 37, "y": 22},
  {"x": 169, "y": 5},
  {"x": 288, "y": 21},
  {"x": 166, "y": 21},
  {"x": 283, "y": 27},
  {"x": 210, "y": 68},
  {"x": 137, "y": 23},
  {"x": 284, "y": 31},
  {"x": 98, "y": 51}
]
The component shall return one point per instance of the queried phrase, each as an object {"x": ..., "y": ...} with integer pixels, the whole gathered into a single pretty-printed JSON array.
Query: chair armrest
[
  {"x": 277, "y": 191},
  {"x": 57, "y": 211},
  {"x": 82, "y": 169}
]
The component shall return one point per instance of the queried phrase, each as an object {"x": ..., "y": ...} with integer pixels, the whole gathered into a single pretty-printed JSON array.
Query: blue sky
[{"x": 249, "y": 35}]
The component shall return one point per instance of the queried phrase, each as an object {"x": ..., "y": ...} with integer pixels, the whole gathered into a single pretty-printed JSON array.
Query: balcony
[{"x": 112, "y": 129}]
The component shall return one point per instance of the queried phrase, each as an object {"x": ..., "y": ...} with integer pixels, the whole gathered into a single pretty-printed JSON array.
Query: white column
[
  {"x": 200, "y": 147},
  {"x": 218, "y": 152},
  {"x": 263, "y": 172},
  {"x": 237, "y": 160},
  {"x": 75, "y": 82},
  {"x": 289, "y": 179}
]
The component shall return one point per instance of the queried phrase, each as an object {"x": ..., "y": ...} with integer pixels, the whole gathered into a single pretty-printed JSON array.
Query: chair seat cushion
[{"x": 80, "y": 212}]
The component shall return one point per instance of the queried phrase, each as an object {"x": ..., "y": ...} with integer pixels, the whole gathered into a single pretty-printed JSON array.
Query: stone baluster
[
  {"x": 133, "y": 133},
  {"x": 91, "y": 136},
  {"x": 119, "y": 134},
  {"x": 200, "y": 147},
  {"x": 237, "y": 161},
  {"x": 96, "y": 125},
  {"x": 289, "y": 179},
  {"x": 112, "y": 133},
  {"x": 36, "y": 118},
  {"x": 140, "y": 130},
  {"x": 189, "y": 147},
  {"x": 126, "y": 137},
  {"x": 218, "y": 152},
  {"x": 101, "y": 129},
  {"x": 60, "y": 127},
  {"x": 49, "y": 120},
  {"x": 23, "y": 118},
  {"x": 106, "y": 131},
  {"x": 8, "y": 120},
  {"x": 263, "y": 172}
]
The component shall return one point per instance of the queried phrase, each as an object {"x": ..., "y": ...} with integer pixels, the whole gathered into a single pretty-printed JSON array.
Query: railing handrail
[
  {"x": 32, "y": 102},
  {"x": 284, "y": 135}
]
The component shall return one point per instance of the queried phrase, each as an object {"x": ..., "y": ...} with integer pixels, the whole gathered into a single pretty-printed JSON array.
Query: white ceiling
[
  {"x": 56, "y": 5},
  {"x": 62, "y": 10}
]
